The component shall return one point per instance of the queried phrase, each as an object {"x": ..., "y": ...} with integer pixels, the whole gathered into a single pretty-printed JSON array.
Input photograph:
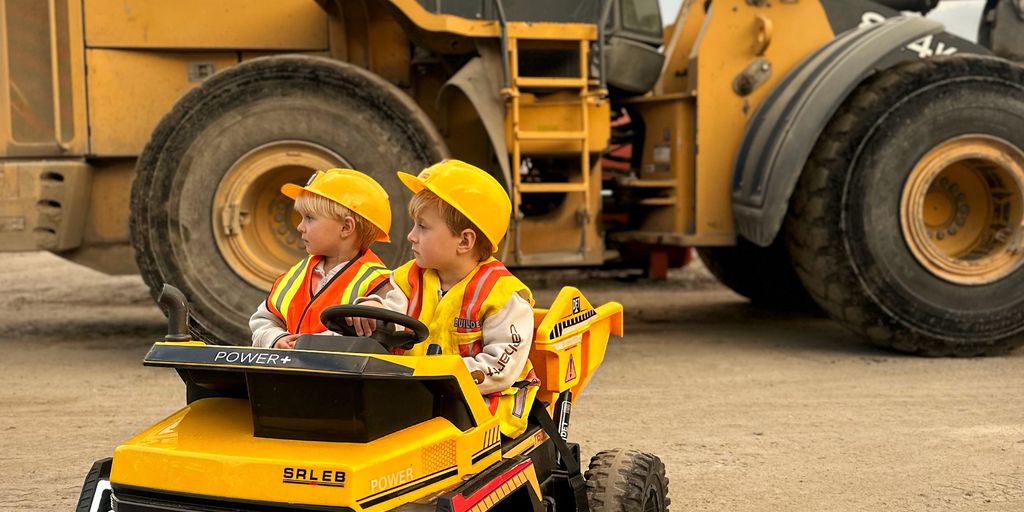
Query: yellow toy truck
[{"x": 340, "y": 424}]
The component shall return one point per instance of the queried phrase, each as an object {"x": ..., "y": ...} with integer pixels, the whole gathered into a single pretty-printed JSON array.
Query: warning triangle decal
[{"x": 570, "y": 372}]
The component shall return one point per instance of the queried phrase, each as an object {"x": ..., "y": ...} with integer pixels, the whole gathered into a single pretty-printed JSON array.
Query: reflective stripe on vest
[
  {"x": 416, "y": 296},
  {"x": 457, "y": 318},
  {"x": 368, "y": 278},
  {"x": 292, "y": 299},
  {"x": 281, "y": 296},
  {"x": 478, "y": 288}
]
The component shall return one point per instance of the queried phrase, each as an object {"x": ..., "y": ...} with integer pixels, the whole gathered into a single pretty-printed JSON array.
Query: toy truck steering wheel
[{"x": 386, "y": 333}]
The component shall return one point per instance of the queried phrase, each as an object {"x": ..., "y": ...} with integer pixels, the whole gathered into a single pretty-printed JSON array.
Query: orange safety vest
[
  {"x": 293, "y": 301},
  {"x": 456, "y": 325}
]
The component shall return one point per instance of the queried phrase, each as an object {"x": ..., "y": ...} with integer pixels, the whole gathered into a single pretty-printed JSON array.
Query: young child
[
  {"x": 343, "y": 212},
  {"x": 472, "y": 304}
]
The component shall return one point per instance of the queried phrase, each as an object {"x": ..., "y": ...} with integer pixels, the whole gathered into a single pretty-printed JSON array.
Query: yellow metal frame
[
  {"x": 705, "y": 53},
  {"x": 146, "y": 84},
  {"x": 280, "y": 25},
  {"x": 448, "y": 24},
  {"x": 60, "y": 146}
]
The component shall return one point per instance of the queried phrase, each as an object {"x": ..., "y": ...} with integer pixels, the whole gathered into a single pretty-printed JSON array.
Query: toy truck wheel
[
  {"x": 95, "y": 495},
  {"x": 764, "y": 275},
  {"x": 627, "y": 481},
  {"x": 207, "y": 212},
  {"x": 906, "y": 225}
]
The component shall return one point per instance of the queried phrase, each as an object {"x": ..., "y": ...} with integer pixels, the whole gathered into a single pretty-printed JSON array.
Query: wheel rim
[
  {"x": 961, "y": 210},
  {"x": 254, "y": 224}
]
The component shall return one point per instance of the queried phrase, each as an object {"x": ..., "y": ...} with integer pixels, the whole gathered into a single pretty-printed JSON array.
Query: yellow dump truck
[{"x": 831, "y": 149}]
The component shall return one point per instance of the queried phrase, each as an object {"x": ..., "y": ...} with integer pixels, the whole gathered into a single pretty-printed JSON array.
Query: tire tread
[{"x": 617, "y": 480}]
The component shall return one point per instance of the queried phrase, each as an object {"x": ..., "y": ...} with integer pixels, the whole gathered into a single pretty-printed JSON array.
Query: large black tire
[
  {"x": 627, "y": 481},
  {"x": 347, "y": 111},
  {"x": 844, "y": 224},
  {"x": 764, "y": 275}
]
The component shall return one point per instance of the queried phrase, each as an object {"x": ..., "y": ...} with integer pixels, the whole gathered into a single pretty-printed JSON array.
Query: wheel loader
[
  {"x": 340, "y": 424},
  {"x": 843, "y": 154}
]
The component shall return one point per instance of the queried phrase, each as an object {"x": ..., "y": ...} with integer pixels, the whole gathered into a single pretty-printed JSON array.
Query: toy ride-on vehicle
[{"x": 341, "y": 424}]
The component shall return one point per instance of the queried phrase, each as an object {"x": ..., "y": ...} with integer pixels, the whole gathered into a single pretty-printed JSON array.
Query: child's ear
[
  {"x": 347, "y": 226},
  {"x": 467, "y": 240}
]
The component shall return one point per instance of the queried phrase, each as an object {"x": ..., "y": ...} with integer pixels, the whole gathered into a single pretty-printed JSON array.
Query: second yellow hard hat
[{"x": 471, "y": 191}]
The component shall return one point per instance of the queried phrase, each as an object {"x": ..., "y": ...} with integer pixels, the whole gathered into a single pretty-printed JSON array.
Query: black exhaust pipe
[{"x": 177, "y": 313}]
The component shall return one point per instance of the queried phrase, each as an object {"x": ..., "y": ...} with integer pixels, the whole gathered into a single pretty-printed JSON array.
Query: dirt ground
[{"x": 751, "y": 410}]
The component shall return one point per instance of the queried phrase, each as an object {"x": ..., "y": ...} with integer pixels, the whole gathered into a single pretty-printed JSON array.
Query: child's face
[
  {"x": 321, "y": 235},
  {"x": 433, "y": 244}
]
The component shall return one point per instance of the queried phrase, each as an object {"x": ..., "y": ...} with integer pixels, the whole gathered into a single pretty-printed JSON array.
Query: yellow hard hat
[
  {"x": 471, "y": 191},
  {"x": 352, "y": 189}
]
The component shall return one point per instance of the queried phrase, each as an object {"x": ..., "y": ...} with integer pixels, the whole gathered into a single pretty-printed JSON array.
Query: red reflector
[{"x": 462, "y": 504}]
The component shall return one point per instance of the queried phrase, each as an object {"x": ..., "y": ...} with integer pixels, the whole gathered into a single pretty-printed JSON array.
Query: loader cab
[
  {"x": 633, "y": 33},
  {"x": 639, "y": 20},
  {"x": 633, "y": 36}
]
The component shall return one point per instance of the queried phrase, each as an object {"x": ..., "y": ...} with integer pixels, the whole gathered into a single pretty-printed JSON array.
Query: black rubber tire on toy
[
  {"x": 626, "y": 481},
  {"x": 100, "y": 471},
  {"x": 764, "y": 275},
  {"x": 352, "y": 116},
  {"x": 947, "y": 133}
]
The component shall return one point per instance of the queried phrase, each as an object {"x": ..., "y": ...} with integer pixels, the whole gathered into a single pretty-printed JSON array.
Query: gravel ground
[{"x": 750, "y": 409}]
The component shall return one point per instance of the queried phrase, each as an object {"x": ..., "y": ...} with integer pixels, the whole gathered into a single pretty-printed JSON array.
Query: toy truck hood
[{"x": 270, "y": 448}]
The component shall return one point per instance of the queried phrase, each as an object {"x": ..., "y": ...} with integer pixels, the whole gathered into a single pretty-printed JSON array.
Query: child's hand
[
  {"x": 364, "y": 326},
  {"x": 286, "y": 341}
]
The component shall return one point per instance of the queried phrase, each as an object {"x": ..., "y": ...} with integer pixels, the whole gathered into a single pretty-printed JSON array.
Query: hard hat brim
[
  {"x": 413, "y": 183},
  {"x": 291, "y": 190}
]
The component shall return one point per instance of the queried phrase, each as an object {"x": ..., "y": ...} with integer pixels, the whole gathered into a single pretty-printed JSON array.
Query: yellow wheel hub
[
  {"x": 254, "y": 223},
  {"x": 962, "y": 210}
]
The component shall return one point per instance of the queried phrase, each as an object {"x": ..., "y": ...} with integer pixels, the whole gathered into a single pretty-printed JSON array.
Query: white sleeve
[
  {"x": 507, "y": 337},
  {"x": 394, "y": 299},
  {"x": 266, "y": 327}
]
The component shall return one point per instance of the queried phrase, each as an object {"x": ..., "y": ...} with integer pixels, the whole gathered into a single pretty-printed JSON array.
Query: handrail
[
  {"x": 606, "y": 11},
  {"x": 503, "y": 22}
]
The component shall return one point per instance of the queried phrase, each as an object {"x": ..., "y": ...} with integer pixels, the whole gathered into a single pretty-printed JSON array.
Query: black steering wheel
[{"x": 385, "y": 333}]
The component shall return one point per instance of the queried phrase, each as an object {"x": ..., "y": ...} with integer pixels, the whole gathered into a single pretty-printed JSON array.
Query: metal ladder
[{"x": 511, "y": 90}]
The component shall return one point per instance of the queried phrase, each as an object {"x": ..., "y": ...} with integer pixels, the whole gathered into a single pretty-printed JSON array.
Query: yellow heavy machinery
[{"x": 831, "y": 149}]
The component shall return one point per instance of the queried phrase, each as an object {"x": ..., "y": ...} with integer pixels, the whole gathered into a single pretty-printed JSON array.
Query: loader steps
[{"x": 548, "y": 113}]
